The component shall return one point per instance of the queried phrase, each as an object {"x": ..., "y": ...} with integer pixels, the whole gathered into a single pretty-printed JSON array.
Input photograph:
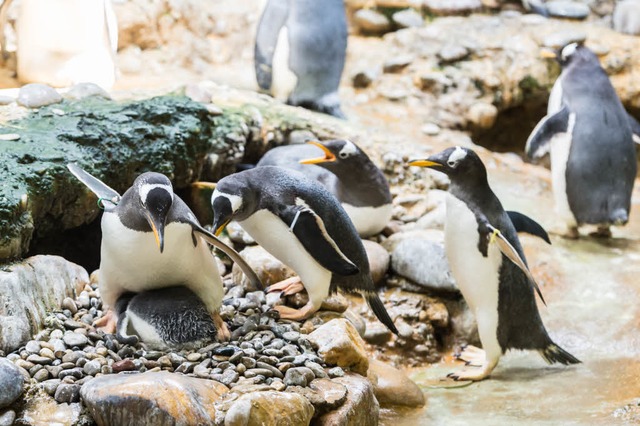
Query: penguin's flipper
[
  {"x": 508, "y": 250},
  {"x": 538, "y": 143},
  {"x": 635, "y": 128},
  {"x": 310, "y": 230},
  {"x": 273, "y": 19},
  {"x": 524, "y": 223},
  {"x": 102, "y": 190},
  {"x": 229, "y": 251}
]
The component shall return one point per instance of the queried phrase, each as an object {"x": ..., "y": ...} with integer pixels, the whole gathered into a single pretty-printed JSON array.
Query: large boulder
[
  {"x": 270, "y": 408},
  {"x": 340, "y": 344},
  {"x": 361, "y": 407},
  {"x": 392, "y": 387},
  {"x": 158, "y": 398},
  {"x": 30, "y": 289}
]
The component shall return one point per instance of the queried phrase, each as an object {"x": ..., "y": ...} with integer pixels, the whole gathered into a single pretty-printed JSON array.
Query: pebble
[
  {"x": 371, "y": 22},
  {"x": 92, "y": 368},
  {"x": 567, "y": 9},
  {"x": 7, "y": 418},
  {"x": 67, "y": 393},
  {"x": 407, "y": 18},
  {"x": 74, "y": 339},
  {"x": 41, "y": 375},
  {"x": 68, "y": 303},
  {"x": 336, "y": 372},
  {"x": 397, "y": 63},
  {"x": 50, "y": 386},
  {"x": 76, "y": 373},
  {"x": 298, "y": 376},
  {"x": 36, "y": 95},
  {"x": 33, "y": 347},
  {"x": 125, "y": 365},
  {"x": 38, "y": 359},
  {"x": 452, "y": 53}
]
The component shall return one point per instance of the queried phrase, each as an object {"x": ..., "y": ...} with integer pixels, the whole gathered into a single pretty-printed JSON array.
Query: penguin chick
[
  {"x": 168, "y": 318},
  {"x": 299, "y": 222},
  {"x": 590, "y": 139},
  {"x": 348, "y": 173},
  {"x": 151, "y": 240},
  {"x": 489, "y": 266},
  {"x": 306, "y": 40}
]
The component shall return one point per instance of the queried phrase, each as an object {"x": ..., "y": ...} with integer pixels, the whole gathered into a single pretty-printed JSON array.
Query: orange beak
[{"x": 328, "y": 155}]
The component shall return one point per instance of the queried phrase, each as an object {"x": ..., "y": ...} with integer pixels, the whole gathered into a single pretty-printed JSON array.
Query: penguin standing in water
[
  {"x": 299, "y": 222},
  {"x": 348, "y": 173},
  {"x": 151, "y": 240},
  {"x": 590, "y": 139},
  {"x": 489, "y": 266},
  {"x": 310, "y": 37}
]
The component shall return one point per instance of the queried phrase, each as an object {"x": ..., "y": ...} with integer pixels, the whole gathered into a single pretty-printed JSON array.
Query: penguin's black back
[
  {"x": 602, "y": 163},
  {"x": 278, "y": 187},
  {"x": 289, "y": 156}
]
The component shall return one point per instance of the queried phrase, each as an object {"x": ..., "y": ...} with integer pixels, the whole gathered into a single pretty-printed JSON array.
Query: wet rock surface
[
  {"x": 11, "y": 382},
  {"x": 392, "y": 387}
]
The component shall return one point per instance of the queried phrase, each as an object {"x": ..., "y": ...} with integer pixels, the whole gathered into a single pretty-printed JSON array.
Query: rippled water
[{"x": 592, "y": 288}]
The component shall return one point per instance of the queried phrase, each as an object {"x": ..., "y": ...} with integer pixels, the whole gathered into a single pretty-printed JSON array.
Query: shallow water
[{"x": 592, "y": 289}]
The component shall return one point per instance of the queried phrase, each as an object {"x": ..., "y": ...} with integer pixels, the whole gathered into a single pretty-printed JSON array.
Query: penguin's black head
[
  {"x": 231, "y": 200},
  {"x": 156, "y": 198},
  {"x": 460, "y": 164},
  {"x": 336, "y": 152}
]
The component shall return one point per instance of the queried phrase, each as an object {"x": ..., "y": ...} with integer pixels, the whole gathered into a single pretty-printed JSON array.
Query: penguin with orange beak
[
  {"x": 347, "y": 172},
  {"x": 151, "y": 240}
]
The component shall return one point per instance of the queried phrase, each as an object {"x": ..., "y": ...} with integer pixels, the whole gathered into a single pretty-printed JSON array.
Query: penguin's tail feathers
[
  {"x": 555, "y": 354},
  {"x": 378, "y": 308}
]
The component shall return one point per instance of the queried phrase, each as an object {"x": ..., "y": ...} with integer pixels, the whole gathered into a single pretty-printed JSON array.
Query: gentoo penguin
[
  {"x": 588, "y": 134},
  {"x": 165, "y": 318},
  {"x": 299, "y": 222},
  {"x": 489, "y": 266},
  {"x": 315, "y": 35},
  {"x": 150, "y": 240},
  {"x": 347, "y": 172}
]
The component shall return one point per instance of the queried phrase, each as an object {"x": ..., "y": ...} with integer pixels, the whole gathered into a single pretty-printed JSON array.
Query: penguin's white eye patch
[
  {"x": 147, "y": 187},
  {"x": 456, "y": 157},
  {"x": 348, "y": 149},
  {"x": 234, "y": 200},
  {"x": 568, "y": 50}
]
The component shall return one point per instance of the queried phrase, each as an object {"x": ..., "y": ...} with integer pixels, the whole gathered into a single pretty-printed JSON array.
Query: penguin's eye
[
  {"x": 452, "y": 164},
  {"x": 343, "y": 155}
]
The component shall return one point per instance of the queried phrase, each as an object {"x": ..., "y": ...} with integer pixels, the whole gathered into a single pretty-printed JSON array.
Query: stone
[
  {"x": 269, "y": 408},
  {"x": 86, "y": 90},
  {"x": 370, "y": 21},
  {"x": 75, "y": 339},
  {"x": 567, "y": 9},
  {"x": 379, "y": 260},
  {"x": 333, "y": 393},
  {"x": 482, "y": 115},
  {"x": 397, "y": 63},
  {"x": 340, "y": 344},
  {"x": 430, "y": 129},
  {"x": 407, "y": 18},
  {"x": 7, "y": 418},
  {"x": 11, "y": 382},
  {"x": 360, "y": 407},
  {"x": 123, "y": 365},
  {"x": 158, "y": 398},
  {"x": 363, "y": 79},
  {"x": 392, "y": 386},
  {"x": 425, "y": 263},
  {"x": 377, "y": 334},
  {"x": 67, "y": 393},
  {"x": 298, "y": 376},
  {"x": 31, "y": 288},
  {"x": 269, "y": 269},
  {"x": 239, "y": 235},
  {"x": 36, "y": 95},
  {"x": 335, "y": 302},
  {"x": 452, "y": 7},
  {"x": 626, "y": 17},
  {"x": 559, "y": 39},
  {"x": 452, "y": 53}
]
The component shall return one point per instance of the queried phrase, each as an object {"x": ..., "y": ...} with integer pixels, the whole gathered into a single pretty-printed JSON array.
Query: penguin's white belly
[
  {"x": 284, "y": 80},
  {"x": 559, "y": 154},
  {"x": 477, "y": 276},
  {"x": 369, "y": 220},
  {"x": 131, "y": 261},
  {"x": 275, "y": 236},
  {"x": 144, "y": 330}
]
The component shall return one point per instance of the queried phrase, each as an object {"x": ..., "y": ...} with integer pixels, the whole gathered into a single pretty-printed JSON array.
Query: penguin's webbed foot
[
  {"x": 107, "y": 323},
  {"x": 295, "y": 314},
  {"x": 572, "y": 233},
  {"x": 471, "y": 355},
  {"x": 475, "y": 374},
  {"x": 603, "y": 231},
  {"x": 288, "y": 287},
  {"x": 223, "y": 334}
]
